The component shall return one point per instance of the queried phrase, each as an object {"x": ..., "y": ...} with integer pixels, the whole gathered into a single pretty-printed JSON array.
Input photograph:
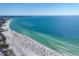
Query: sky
[{"x": 39, "y": 9}]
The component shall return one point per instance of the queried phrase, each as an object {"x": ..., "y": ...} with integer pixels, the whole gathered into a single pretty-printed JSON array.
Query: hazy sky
[{"x": 39, "y": 9}]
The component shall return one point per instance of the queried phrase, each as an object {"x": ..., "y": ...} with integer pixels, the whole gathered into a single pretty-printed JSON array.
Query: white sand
[{"x": 23, "y": 45}]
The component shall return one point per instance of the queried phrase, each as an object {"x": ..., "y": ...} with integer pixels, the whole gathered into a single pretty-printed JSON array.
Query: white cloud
[{"x": 38, "y": 12}]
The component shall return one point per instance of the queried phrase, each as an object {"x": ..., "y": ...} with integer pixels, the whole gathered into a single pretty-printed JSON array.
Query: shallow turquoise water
[{"x": 60, "y": 33}]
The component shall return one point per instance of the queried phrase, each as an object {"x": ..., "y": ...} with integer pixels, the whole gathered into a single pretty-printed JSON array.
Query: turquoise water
[{"x": 60, "y": 33}]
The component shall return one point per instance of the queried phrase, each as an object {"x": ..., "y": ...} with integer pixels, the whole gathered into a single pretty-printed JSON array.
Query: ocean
[{"x": 60, "y": 33}]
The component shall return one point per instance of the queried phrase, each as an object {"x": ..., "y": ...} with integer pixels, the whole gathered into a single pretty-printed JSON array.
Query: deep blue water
[{"x": 63, "y": 28}]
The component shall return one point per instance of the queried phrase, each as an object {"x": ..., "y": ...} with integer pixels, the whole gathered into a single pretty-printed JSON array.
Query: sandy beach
[{"x": 25, "y": 46}]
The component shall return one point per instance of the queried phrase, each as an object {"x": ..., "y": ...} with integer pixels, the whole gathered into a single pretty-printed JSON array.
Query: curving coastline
[{"x": 23, "y": 45}]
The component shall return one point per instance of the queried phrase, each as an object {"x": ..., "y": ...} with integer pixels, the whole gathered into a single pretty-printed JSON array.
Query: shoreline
[{"x": 29, "y": 46}]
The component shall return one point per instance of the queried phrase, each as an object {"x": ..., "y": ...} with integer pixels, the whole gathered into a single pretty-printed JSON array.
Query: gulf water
[{"x": 59, "y": 33}]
